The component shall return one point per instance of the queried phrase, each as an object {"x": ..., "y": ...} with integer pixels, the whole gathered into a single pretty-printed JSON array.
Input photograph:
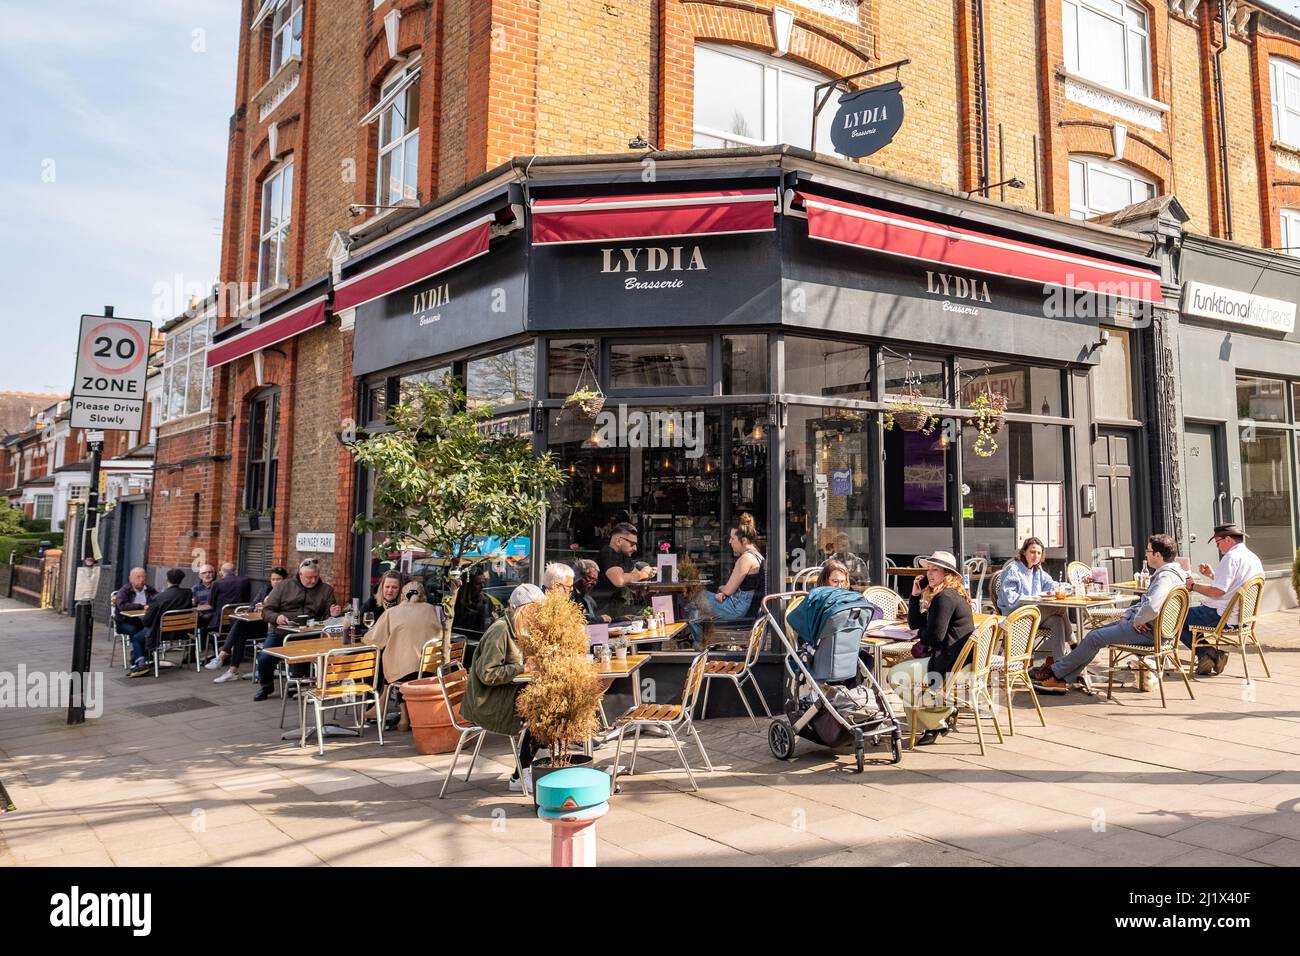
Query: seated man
[
  {"x": 202, "y": 593},
  {"x": 145, "y": 642},
  {"x": 304, "y": 593},
  {"x": 619, "y": 569},
  {"x": 585, "y": 575},
  {"x": 1133, "y": 628},
  {"x": 235, "y": 590},
  {"x": 1237, "y": 565},
  {"x": 135, "y": 595}
]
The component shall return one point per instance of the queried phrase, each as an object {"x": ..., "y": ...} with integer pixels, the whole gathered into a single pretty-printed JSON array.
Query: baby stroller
[{"x": 830, "y": 697}]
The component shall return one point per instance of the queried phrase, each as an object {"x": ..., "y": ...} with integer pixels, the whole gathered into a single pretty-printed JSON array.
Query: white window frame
[
  {"x": 1137, "y": 77},
  {"x": 772, "y": 68},
  {"x": 48, "y": 502},
  {"x": 1080, "y": 206},
  {"x": 1286, "y": 118},
  {"x": 1290, "y": 220},
  {"x": 286, "y": 24},
  {"x": 397, "y": 91},
  {"x": 176, "y": 370},
  {"x": 278, "y": 230}
]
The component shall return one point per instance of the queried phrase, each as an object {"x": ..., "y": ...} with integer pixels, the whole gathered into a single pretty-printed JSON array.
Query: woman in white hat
[{"x": 939, "y": 611}]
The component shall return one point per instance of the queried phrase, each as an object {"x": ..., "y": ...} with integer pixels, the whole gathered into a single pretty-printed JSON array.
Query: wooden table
[
  {"x": 312, "y": 652},
  {"x": 137, "y": 613},
  {"x": 653, "y": 636},
  {"x": 1129, "y": 586},
  {"x": 1075, "y": 605}
]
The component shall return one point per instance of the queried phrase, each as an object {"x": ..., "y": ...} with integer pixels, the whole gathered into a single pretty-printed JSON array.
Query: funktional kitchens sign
[
  {"x": 868, "y": 120},
  {"x": 1239, "y": 308}
]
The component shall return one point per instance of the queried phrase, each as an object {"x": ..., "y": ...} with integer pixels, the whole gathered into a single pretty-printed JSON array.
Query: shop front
[
  {"x": 753, "y": 327},
  {"x": 1242, "y": 433}
]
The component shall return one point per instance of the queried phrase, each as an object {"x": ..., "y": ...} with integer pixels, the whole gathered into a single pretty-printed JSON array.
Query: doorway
[
  {"x": 1117, "y": 509},
  {"x": 132, "y": 531},
  {"x": 1207, "y": 493}
]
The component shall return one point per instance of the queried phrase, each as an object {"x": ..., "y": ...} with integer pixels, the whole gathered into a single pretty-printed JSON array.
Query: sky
[{"x": 112, "y": 167}]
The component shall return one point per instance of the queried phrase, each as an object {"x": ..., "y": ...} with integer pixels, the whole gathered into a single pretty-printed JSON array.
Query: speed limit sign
[{"x": 112, "y": 363}]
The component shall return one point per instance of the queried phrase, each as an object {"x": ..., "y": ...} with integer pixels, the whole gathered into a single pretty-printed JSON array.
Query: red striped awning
[
  {"x": 306, "y": 316},
  {"x": 446, "y": 252},
  {"x": 849, "y": 224},
  {"x": 664, "y": 215}
]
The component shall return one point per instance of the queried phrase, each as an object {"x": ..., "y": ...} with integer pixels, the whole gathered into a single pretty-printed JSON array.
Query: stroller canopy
[{"x": 821, "y": 604}]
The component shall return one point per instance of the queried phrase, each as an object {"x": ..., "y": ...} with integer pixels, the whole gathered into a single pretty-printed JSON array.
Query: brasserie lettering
[
  {"x": 652, "y": 259},
  {"x": 957, "y": 287}
]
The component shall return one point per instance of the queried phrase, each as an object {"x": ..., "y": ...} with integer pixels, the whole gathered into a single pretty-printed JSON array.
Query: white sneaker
[
  {"x": 517, "y": 786},
  {"x": 214, "y": 663},
  {"x": 227, "y": 676}
]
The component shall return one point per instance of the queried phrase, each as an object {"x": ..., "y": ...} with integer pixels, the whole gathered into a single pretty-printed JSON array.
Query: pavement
[{"x": 1206, "y": 782}]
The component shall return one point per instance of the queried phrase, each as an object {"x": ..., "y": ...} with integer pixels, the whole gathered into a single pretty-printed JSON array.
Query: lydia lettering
[
  {"x": 877, "y": 114},
  {"x": 652, "y": 259},
  {"x": 434, "y": 298},
  {"x": 957, "y": 287}
]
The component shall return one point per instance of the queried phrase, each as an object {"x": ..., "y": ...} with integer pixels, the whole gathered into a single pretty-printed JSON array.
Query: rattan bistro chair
[
  {"x": 739, "y": 671},
  {"x": 176, "y": 629},
  {"x": 1245, "y": 603},
  {"x": 1166, "y": 636},
  {"x": 1076, "y": 572},
  {"x": 670, "y": 717},
  {"x": 1019, "y": 630},
  {"x": 886, "y": 600},
  {"x": 347, "y": 679},
  {"x": 968, "y": 681},
  {"x": 453, "y": 679}
]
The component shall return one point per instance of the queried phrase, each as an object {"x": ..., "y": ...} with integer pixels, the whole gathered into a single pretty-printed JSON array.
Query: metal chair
[
  {"x": 1019, "y": 630},
  {"x": 1166, "y": 636},
  {"x": 891, "y": 579},
  {"x": 970, "y": 676},
  {"x": 977, "y": 570},
  {"x": 738, "y": 672},
  {"x": 176, "y": 629},
  {"x": 801, "y": 579},
  {"x": 431, "y": 656},
  {"x": 347, "y": 679},
  {"x": 887, "y": 600},
  {"x": 284, "y": 675},
  {"x": 1245, "y": 605},
  {"x": 670, "y": 717},
  {"x": 452, "y": 678}
]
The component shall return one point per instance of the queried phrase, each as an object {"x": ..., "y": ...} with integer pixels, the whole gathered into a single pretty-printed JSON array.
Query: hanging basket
[
  {"x": 910, "y": 420},
  {"x": 585, "y": 408}
]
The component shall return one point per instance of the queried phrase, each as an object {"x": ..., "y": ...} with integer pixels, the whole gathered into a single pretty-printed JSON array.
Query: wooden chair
[
  {"x": 453, "y": 679},
  {"x": 1019, "y": 630},
  {"x": 886, "y": 600},
  {"x": 1245, "y": 605},
  {"x": 739, "y": 671},
  {"x": 347, "y": 679},
  {"x": 968, "y": 681},
  {"x": 669, "y": 717},
  {"x": 1166, "y": 636},
  {"x": 431, "y": 658},
  {"x": 177, "y": 629}
]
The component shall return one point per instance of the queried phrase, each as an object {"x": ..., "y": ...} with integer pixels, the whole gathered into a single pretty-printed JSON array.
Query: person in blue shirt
[{"x": 1024, "y": 577}]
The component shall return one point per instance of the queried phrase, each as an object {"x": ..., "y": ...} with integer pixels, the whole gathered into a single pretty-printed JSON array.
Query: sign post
[{"x": 108, "y": 392}]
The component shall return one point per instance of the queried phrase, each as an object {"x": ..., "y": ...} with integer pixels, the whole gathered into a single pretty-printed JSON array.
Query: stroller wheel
[
  {"x": 896, "y": 747},
  {"x": 780, "y": 738},
  {"x": 859, "y": 752}
]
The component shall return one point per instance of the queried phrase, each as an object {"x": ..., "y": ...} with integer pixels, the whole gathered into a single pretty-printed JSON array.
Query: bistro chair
[
  {"x": 1245, "y": 603},
  {"x": 968, "y": 681},
  {"x": 669, "y": 717},
  {"x": 176, "y": 629},
  {"x": 990, "y": 604},
  {"x": 431, "y": 656},
  {"x": 886, "y": 600},
  {"x": 453, "y": 679},
  {"x": 285, "y": 676},
  {"x": 802, "y": 580},
  {"x": 121, "y": 639},
  {"x": 1075, "y": 573},
  {"x": 738, "y": 672},
  {"x": 1019, "y": 630},
  {"x": 1166, "y": 636},
  {"x": 347, "y": 679},
  {"x": 977, "y": 569}
]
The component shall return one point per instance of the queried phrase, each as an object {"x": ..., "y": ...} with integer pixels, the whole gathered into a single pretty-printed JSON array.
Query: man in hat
[{"x": 1237, "y": 565}]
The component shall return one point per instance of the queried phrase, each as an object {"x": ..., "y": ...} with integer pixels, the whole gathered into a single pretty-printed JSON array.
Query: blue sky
[{"x": 112, "y": 169}]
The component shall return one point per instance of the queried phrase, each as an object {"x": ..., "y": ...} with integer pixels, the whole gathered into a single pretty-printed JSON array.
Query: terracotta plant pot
[{"x": 431, "y": 728}]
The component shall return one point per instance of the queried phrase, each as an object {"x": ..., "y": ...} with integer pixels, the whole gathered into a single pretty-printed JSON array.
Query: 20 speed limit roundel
[{"x": 114, "y": 348}]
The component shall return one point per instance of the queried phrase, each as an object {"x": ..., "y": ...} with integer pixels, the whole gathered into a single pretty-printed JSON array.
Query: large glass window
[
  {"x": 929, "y": 377},
  {"x": 744, "y": 364},
  {"x": 187, "y": 381},
  {"x": 501, "y": 379},
  {"x": 1261, "y": 399},
  {"x": 408, "y": 385},
  {"x": 638, "y": 365},
  {"x": 565, "y": 359},
  {"x": 826, "y": 368},
  {"x": 1108, "y": 41},
  {"x": 746, "y": 98},
  {"x": 399, "y": 142},
  {"x": 273, "y": 250},
  {"x": 1266, "y": 483},
  {"x": 1284, "y": 84},
  {"x": 262, "y": 465},
  {"x": 286, "y": 34},
  {"x": 1290, "y": 220},
  {"x": 1028, "y": 389},
  {"x": 44, "y": 508},
  {"x": 1112, "y": 381},
  {"x": 1098, "y": 187}
]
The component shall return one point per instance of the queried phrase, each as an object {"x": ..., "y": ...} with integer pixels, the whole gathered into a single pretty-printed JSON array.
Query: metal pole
[{"x": 829, "y": 86}]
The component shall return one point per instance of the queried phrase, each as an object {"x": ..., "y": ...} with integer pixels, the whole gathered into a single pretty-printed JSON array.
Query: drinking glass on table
[{"x": 368, "y": 619}]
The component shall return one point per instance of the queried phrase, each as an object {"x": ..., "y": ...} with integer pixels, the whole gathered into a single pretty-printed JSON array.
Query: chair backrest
[
  {"x": 801, "y": 579},
  {"x": 977, "y": 654},
  {"x": 1170, "y": 617},
  {"x": 977, "y": 570},
  {"x": 1019, "y": 628},
  {"x": 223, "y": 624},
  {"x": 755, "y": 646},
  {"x": 343, "y": 665},
  {"x": 789, "y": 609},
  {"x": 453, "y": 679},
  {"x": 918, "y": 561},
  {"x": 694, "y": 680},
  {"x": 1250, "y": 594},
  {"x": 176, "y": 622},
  {"x": 886, "y": 599},
  {"x": 431, "y": 656},
  {"x": 1075, "y": 572}
]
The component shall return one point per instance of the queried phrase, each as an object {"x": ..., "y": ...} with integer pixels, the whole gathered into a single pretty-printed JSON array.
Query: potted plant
[
  {"x": 988, "y": 408},
  {"x": 909, "y": 414},
  {"x": 585, "y": 403},
  {"x": 249, "y": 520},
  {"x": 560, "y": 702}
]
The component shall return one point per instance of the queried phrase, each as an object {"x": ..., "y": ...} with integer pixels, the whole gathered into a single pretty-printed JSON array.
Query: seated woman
[
  {"x": 240, "y": 633},
  {"x": 1024, "y": 577},
  {"x": 388, "y": 594},
  {"x": 400, "y": 635},
  {"x": 834, "y": 574},
  {"x": 939, "y": 611},
  {"x": 739, "y": 598},
  {"x": 475, "y": 609}
]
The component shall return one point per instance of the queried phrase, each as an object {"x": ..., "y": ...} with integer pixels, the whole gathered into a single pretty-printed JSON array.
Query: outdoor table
[
  {"x": 1075, "y": 605},
  {"x": 882, "y": 636},
  {"x": 312, "y": 652},
  {"x": 138, "y": 613},
  {"x": 1129, "y": 586},
  {"x": 608, "y": 672},
  {"x": 654, "y": 635}
]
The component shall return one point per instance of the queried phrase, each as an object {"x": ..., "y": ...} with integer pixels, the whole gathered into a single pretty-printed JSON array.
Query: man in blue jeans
[
  {"x": 1237, "y": 565},
  {"x": 1135, "y": 627}
]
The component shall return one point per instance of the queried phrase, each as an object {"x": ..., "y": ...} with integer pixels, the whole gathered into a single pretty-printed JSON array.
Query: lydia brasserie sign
[{"x": 868, "y": 120}]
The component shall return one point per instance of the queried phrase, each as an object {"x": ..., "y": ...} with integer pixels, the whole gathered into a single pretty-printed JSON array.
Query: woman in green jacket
[{"x": 490, "y": 693}]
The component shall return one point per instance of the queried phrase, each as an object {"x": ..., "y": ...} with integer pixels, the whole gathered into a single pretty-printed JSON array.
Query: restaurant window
[
  {"x": 1284, "y": 87},
  {"x": 260, "y": 472},
  {"x": 1108, "y": 41},
  {"x": 286, "y": 34},
  {"x": 827, "y": 369},
  {"x": 1112, "y": 380},
  {"x": 682, "y": 366},
  {"x": 1028, "y": 389},
  {"x": 1261, "y": 399},
  {"x": 744, "y": 364},
  {"x": 1267, "y": 478},
  {"x": 408, "y": 385},
  {"x": 397, "y": 179},
  {"x": 828, "y": 499},
  {"x": 746, "y": 98},
  {"x": 1290, "y": 220},
  {"x": 1098, "y": 187},
  {"x": 375, "y": 406},
  {"x": 565, "y": 359},
  {"x": 928, "y": 376},
  {"x": 501, "y": 379},
  {"x": 187, "y": 381},
  {"x": 273, "y": 249}
]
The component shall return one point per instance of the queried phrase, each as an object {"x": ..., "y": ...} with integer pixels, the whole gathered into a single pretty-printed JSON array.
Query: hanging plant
[
  {"x": 585, "y": 401},
  {"x": 988, "y": 408},
  {"x": 907, "y": 412}
]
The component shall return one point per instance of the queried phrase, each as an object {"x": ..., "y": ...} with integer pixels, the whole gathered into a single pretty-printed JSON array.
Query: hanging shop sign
[
  {"x": 868, "y": 120},
  {"x": 1239, "y": 308}
]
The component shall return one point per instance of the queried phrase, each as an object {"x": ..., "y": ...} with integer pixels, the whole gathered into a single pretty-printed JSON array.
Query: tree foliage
[{"x": 11, "y": 520}]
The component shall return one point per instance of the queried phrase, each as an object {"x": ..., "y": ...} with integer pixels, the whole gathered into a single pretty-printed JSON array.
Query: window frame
[
  {"x": 1286, "y": 122},
  {"x": 1289, "y": 223},
  {"x": 1071, "y": 50},
  {"x": 1089, "y": 162},
  {"x": 266, "y": 401},
  {"x": 279, "y": 231},
  {"x": 287, "y": 33},
  {"x": 1288, "y": 430},
  {"x": 402, "y": 74},
  {"x": 173, "y": 362}
]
